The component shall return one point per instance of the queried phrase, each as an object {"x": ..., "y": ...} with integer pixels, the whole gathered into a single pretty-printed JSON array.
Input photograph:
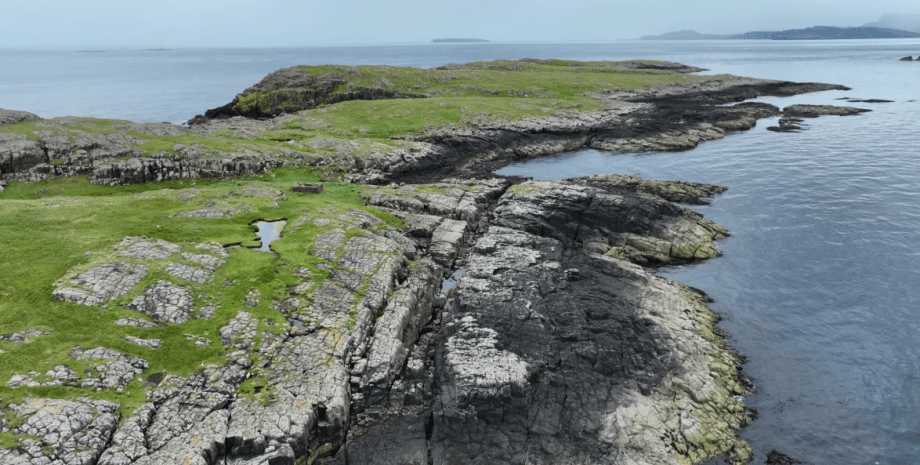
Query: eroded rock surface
[
  {"x": 101, "y": 284},
  {"x": 638, "y": 227},
  {"x": 550, "y": 348},
  {"x": 673, "y": 191}
]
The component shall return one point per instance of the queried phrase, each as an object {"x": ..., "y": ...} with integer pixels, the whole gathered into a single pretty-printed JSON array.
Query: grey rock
[
  {"x": 204, "y": 259},
  {"x": 18, "y": 153},
  {"x": 101, "y": 284},
  {"x": 138, "y": 322},
  {"x": 221, "y": 212},
  {"x": 149, "y": 343},
  {"x": 115, "y": 373},
  {"x": 14, "y": 116},
  {"x": 638, "y": 227},
  {"x": 164, "y": 302},
  {"x": 129, "y": 441},
  {"x": 75, "y": 431},
  {"x": 149, "y": 249},
  {"x": 188, "y": 273},
  {"x": 907, "y": 58},
  {"x": 309, "y": 188},
  {"x": 23, "y": 337},
  {"x": 240, "y": 331},
  {"x": 674, "y": 191}
]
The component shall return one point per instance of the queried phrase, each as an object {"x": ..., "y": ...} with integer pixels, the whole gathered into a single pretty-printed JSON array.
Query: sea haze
[{"x": 818, "y": 286}]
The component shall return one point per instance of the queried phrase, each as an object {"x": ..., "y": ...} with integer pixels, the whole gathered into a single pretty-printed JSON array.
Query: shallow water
[
  {"x": 269, "y": 231},
  {"x": 451, "y": 281},
  {"x": 818, "y": 285}
]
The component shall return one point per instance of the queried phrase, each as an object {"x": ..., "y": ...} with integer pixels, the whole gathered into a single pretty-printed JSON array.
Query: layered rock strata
[{"x": 550, "y": 348}]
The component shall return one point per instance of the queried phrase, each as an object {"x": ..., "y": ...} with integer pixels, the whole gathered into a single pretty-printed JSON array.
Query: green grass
[
  {"x": 473, "y": 94},
  {"x": 47, "y": 228}
]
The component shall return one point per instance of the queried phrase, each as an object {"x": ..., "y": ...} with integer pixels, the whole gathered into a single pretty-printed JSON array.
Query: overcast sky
[{"x": 70, "y": 24}]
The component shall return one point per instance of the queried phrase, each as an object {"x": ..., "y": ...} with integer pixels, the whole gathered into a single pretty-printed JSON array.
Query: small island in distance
[
  {"x": 811, "y": 33},
  {"x": 459, "y": 40}
]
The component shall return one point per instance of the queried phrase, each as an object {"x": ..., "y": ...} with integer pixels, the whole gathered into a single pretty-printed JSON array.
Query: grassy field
[{"x": 49, "y": 228}]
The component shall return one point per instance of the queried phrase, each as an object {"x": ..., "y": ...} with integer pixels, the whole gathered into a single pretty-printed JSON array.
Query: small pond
[{"x": 269, "y": 231}]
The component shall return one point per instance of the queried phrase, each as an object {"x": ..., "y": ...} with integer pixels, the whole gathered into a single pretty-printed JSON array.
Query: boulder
[
  {"x": 907, "y": 58},
  {"x": 13, "y": 116}
]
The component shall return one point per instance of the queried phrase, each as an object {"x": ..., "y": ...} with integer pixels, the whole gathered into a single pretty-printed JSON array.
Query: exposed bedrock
[
  {"x": 554, "y": 347},
  {"x": 290, "y": 89},
  {"x": 14, "y": 116},
  {"x": 548, "y": 352},
  {"x": 640, "y": 227},
  {"x": 659, "y": 119}
]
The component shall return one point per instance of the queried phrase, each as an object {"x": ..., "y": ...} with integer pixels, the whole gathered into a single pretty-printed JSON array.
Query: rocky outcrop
[
  {"x": 292, "y": 89},
  {"x": 549, "y": 347},
  {"x": 14, "y": 116},
  {"x": 907, "y": 58},
  {"x": 814, "y": 111},
  {"x": 673, "y": 191},
  {"x": 548, "y": 352},
  {"x": 641, "y": 228},
  {"x": 793, "y": 114}
]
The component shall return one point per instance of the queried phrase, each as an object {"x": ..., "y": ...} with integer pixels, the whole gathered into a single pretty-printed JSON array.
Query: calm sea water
[{"x": 820, "y": 282}]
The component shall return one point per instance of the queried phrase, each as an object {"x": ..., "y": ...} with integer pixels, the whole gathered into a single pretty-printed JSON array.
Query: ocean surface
[{"x": 819, "y": 285}]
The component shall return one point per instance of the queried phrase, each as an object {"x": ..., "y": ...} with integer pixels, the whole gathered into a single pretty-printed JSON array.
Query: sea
[{"x": 819, "y": 284}]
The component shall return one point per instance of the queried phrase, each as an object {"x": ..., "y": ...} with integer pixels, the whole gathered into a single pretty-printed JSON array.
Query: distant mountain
[
  {"x": 459, "y": 40},
  {"x": 900, "y": 21},
  {"x": 811, "y": 33}
]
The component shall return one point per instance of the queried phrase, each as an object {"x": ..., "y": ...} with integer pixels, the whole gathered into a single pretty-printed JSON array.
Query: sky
[{"x": 109, "y": 24}]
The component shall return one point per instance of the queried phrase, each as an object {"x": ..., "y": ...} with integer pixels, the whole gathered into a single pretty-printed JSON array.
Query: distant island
[
  {"x": 458, "y": 40},
  {"x": 811, "y": 33}
]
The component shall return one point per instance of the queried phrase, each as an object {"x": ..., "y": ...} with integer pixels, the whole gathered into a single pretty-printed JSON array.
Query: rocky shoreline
[
  {"x": 559, "y": 343},
  {"x": 667, "y": 118}
]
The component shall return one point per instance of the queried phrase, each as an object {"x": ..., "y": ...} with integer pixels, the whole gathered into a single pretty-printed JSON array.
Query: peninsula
[
  {"x": 811, "y": 33},
  {"x": 459, "y": 40},
  {"x": 148, "y": 318}
]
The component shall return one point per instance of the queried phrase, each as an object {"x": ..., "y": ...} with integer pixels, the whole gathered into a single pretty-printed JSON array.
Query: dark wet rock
[
  {"x": 870, "y": 100},
  {"x": 673, "y": 191},
  {"x": 778, "y": 458},
  {"x": 787, "y": 124},
  {"x": 551, "y": 346},
  {"x": 814, "y": 111},
  {"x": 907, "y": 58},
  {"x": 637, "y": 227}
]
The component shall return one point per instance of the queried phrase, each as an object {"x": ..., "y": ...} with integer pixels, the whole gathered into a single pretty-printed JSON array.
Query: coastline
[{"x": 642, "y": 121}]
